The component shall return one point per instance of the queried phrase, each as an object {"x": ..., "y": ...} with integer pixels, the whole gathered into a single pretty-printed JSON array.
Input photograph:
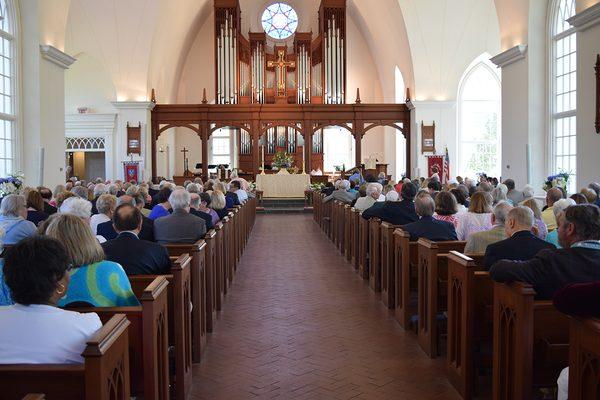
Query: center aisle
[{"x": 300, "y": 324}]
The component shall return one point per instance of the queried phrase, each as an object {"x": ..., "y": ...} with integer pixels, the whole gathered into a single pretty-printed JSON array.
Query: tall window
[
  {"x": 479, "y": 120},
  {"x": 563, "y": 88},
  {"x": 338, "y": 146},
  {"x": 220, "y": 146},
  {"x": 8, "y": 88}
]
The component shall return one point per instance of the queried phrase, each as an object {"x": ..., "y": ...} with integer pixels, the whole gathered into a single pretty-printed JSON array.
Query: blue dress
[
  {"x": 157, "y": 212},
  {"x": 103, "y": 284}
]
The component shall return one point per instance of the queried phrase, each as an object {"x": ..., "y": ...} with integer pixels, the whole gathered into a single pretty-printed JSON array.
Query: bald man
[
  {"x": 552, "y": 196},
  {"x": 136, "y": 256},
  {"x": 107, "y": 230}
]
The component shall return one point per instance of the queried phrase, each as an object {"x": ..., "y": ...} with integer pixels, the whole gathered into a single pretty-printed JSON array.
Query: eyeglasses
[{"x": 70, "y": 267}]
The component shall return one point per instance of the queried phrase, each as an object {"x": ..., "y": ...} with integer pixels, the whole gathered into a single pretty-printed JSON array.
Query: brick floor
[{"x": 298, "y": 323}]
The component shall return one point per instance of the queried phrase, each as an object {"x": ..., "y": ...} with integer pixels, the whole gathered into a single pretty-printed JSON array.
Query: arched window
[
  {"x": 338, "y": 149},
  {"x": 563, "y": 124},
  {"x": 479, "y": 144},
  {"x": 8, "y": 88}
]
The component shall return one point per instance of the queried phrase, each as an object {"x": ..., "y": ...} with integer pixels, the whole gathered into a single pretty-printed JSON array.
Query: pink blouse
[{"x": 448, "y": 218}]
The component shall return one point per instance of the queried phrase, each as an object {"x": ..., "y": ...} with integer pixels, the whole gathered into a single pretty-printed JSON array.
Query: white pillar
[
  {"x": 42, "y": 106},
  {"x": 587, "y": 23},
  {"x": 133, "y": 112}
]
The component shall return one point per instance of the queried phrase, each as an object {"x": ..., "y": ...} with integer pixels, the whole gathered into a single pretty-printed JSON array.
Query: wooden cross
[
  {"x": 281, "y": 65},
  {"x": 185, "y": 159}
]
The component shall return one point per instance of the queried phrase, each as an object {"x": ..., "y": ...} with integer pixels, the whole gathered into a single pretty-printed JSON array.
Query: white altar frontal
[{"x": 282, "y": 184}]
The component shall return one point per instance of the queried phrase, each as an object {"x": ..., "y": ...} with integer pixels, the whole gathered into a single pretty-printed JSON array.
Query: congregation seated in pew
[
  {"x": 558, "y": 208},
  {"x": 180, "y": 226},
  {"x": 93, "y": 279},
  {"x": 34, "y": 330},
  {"x": 521, "y": 244},
  {"x": 372, "y": 195},
  {"x": 446, "y": 207},
  {"x": 551, "y": 270},
  {"x": 136, "y": 255},
  {"x": 13, "y": 219},
  {"x": 395, "y": 212},
  {"x": 341, "y": 193},
  {"x": 35, "y": 207},
  {"x": 552, "y": 196},
  {"x": 105, "y": 205},
  {"x": 218, "y": 203},
  {"x": 162, "y": 207},
  {"x": 427, "y": 226},
  {"x": 107, "y": 230},
  {"x": 204, "y": 206},
  {"x": 478, "y": 242},
  {"x": 195, "y": 204},
  {"x": 478, "y": 218},
  {"x": 236, "y": 188}
]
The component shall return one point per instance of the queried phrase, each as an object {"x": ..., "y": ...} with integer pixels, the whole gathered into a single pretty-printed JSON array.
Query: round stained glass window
[{"x": 280, "y": 21}]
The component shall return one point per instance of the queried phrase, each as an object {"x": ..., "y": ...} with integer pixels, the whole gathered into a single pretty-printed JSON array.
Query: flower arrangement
[
  {"x": 559, "y": 180},
  {"x": 316, "y": 186},
  {"x": 11, "y": 184},
  {"x": 252, "y": 186},
  {"x": 282, "y": 160}
]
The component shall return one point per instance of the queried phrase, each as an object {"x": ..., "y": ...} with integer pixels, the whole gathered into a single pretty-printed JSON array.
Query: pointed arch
[{"x": 479, "y": 107}]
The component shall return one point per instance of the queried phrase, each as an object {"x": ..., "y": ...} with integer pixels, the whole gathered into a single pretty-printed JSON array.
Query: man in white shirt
[
  {"x": 237, "y": 189},
  {"x": 34, "y": 330},
  {"x": 373, "y": 195}
]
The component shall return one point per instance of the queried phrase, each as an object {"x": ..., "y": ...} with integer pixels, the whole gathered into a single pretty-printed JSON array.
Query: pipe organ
[{"x": 261, "y": 69}]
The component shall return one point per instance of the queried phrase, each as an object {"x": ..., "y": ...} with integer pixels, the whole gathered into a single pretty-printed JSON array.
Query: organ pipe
[{"x": 227, "y": 61}]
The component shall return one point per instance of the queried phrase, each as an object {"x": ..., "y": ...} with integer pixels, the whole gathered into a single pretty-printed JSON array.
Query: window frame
[
  {"x": 222, "y": 133},
  {"x": 15, "y": 117},
  {"x": 480, "y": 62},
  {"x": 553, "y": 114}
]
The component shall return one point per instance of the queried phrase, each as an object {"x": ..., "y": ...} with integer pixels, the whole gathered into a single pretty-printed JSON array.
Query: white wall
[
  {"x": 88, "y": 84},
  {"x": 588, "y": 142}
]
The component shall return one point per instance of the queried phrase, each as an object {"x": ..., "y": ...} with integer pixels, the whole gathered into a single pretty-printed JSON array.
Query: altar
[{"x": 282, "y": 184}]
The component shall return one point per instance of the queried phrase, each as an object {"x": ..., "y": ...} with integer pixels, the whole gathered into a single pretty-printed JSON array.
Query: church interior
[{"x": 299, "y": 199}]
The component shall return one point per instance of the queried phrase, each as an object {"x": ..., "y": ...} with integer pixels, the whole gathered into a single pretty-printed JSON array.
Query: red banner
[
  {"x": 131, "y": 171},
  {"x": 439, "y": 165}
]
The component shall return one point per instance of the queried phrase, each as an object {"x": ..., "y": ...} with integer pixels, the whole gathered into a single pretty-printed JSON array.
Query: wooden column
[
  {"x": 358, "y": 128},
  {"x": 204, "y": 137},
  {"x": 308, "y": 139},
  {"x": 256, "y": 153},
  {"x": 154, "y": 133}
]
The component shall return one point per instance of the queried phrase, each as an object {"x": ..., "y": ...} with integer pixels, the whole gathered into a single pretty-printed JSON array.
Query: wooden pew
[
  {"x": 347, "y": 232},
  {"x": 104, "y": 375},
  {"x": 432, "y": 286},
  {"x": 198, "y": 275},
  {"x": 405, "y": 277},
  {"x": 34, "y": 396},
  {"x": 148, "y": 336},
  {"x": 530, "y": 342},
  {"x": 221, "y": 271},
  {"x": 179, "y": 322},
  {"x": 333, "y": 229},
  {"x": 363, "y": 247},
  {"x": 341, "y": 227},
  {"x": 469, "y": 341},
  {"x": 387, "y": 253},
  {"x": 229, "y": 247},
  {"x": 326, "y": 220},
  {"x": 212, "y": 278},
  {"x": 354, "y": 237},
  {"x": 374, "y": 254},
  {"x": 584, "y": 359}
]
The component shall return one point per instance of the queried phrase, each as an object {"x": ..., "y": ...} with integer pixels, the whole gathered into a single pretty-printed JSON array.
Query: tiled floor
[{"x": 300, "y": 324}]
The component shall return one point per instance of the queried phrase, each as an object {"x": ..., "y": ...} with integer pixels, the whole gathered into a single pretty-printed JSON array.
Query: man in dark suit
[
  {"x": 136, "y": 256},
  {"x": 396, "y": 212},
  {"x": 550, "y": 270},
  {"x": 107, "y": 230},
  {"x": 427, "y": 226},
  {"x": 180, "y": 226},
  {"x": 232, "y": 198},
  {"x": 195, "y": 210},
  {"x": 520, "y": 244}
]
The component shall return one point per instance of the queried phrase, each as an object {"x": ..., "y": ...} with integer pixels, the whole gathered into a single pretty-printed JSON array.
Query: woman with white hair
[
  {"x": 373, "y": 191},
  {"x": 82, "y": 209},
  {"x": 13, "y": 219},
  {"x": 499, "y": 193},
  {"x": 558, "y": 208},
  {"x": 106, "y": 205}
]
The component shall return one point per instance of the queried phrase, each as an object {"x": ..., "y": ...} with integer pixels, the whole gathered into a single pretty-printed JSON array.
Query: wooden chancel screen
[{"x": 280, "y": 88}]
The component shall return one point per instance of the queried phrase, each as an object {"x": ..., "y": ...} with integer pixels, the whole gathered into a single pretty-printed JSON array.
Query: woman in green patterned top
[{"x": 94, "y": 281}]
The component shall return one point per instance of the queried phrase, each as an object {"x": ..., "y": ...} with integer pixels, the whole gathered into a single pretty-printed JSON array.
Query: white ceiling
[{"x": 143, "y": 43}]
